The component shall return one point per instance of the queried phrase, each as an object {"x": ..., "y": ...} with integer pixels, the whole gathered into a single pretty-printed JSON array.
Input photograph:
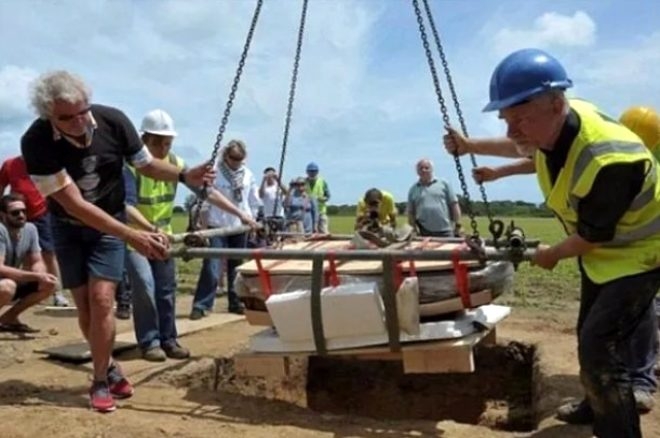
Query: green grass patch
[{"x": 534, "y": 287}]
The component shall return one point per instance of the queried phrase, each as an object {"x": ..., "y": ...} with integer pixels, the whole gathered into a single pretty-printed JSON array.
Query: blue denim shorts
[
  {"x": 84, "y": 252},
  {"x": 45, "y": 230}
]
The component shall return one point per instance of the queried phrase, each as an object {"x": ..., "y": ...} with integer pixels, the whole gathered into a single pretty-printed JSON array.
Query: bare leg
[
  {"x": 11, "y": 315},
  {"x": 80, "y": 296},
  {"x": 7, "y": 290},
  {"x": 102, "y": 324}
]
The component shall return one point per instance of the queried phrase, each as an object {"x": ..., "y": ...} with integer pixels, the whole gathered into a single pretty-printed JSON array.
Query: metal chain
[
  {"x": 445, "y": 116},
  {"x": 225, "y": 118},
  {"x": 292, "y": 94},
  {"x": 452, "y": 89}
]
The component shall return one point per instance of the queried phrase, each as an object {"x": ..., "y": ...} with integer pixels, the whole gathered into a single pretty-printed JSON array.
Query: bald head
[{"x": 425, "y": 170}]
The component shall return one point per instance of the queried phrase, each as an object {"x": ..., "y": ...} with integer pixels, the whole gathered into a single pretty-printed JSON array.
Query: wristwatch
[{"x": 182, "y": 177}]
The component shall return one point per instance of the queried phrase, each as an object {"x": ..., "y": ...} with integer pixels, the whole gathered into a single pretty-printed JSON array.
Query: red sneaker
[
  {"x": 100, "y": 398},
  {"x": 119, "y": 385}
]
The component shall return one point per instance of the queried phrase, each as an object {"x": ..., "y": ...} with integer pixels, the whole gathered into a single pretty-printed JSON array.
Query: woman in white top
[
  {"x": 272, "y": 193},
  {"x": 237, "y": 183}
]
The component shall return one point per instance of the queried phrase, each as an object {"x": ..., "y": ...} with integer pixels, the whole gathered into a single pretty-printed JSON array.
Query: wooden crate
[
  {"x": 446, "y": 356},
  {"x": 348, "y": 267}
]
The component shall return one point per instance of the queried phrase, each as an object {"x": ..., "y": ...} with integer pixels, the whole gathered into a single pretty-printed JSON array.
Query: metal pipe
[
  {"x": 488, "y": 253},
  {"x": 332, "y": 237},
  {"x": 210, "y": 232},
  {"x": 517, "y": 239}
]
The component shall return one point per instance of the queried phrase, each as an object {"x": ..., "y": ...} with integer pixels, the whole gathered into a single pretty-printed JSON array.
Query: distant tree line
[
  {"x": 508, "y": 208},
  {"x": 497, "y": 208}
]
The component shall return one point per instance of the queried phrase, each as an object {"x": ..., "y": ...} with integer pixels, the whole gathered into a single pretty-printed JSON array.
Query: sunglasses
[
  {"x": 16, "y": 213},
  {"x": 69, "y": 117},
  {"x": 234, "y": 158}
]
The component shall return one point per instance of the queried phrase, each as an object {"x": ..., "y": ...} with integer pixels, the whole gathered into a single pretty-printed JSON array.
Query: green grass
[{"x": 534, "y": 287}]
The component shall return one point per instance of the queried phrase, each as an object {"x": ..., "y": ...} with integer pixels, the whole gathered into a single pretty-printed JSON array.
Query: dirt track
[{"x": 40, "y": 398}]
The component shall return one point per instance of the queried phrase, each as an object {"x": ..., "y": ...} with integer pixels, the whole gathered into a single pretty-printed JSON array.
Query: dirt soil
[{"x": 43, "y": 398}]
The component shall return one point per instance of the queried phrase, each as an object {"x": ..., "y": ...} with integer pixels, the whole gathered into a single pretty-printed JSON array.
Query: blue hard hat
[
  {"x": 522, "y": 75},
  {"x": 312, "y": 167}
]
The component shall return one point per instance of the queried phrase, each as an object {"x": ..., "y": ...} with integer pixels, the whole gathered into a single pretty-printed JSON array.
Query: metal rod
[
  {"x": 210, "y": 232},
  {"x": 389, "y": 301},
  {"x": 489, "y": 253},
  {"x": 332, "y": 237},
  {"x": 315, "y": 305}
]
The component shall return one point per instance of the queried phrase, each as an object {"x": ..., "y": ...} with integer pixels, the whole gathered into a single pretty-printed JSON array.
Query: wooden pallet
[
  {"x": 350, "y": 267},
  {"x": 447, "y": 356}
]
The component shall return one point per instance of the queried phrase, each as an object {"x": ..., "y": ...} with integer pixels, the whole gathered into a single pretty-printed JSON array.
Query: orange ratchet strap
[
  {"x": 331, "y": 277},
  {"x": 462, "y": 279},
  {"x": 264, "y": 275}
]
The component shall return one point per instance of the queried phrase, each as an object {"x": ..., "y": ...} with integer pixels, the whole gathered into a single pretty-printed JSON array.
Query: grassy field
[{"x": 534, "y": 287}]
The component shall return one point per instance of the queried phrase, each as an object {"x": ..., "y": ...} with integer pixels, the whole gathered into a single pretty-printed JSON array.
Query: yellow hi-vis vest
[
  {"x": 317, "y": 191},
  {"x": 155, "y": 199},
  {"x": 602, "y": 141}
]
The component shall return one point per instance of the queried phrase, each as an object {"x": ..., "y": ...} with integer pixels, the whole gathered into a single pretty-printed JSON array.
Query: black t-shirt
[{"x": 97, "y": 169}]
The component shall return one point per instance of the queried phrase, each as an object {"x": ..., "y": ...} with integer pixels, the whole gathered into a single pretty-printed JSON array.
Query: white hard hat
[{"x": 158, "y": 122}]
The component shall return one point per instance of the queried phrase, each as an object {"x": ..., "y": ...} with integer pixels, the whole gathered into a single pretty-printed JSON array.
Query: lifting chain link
[
  {"x": 459, "y": 113},
  {"x": 197, "y": 206},
  {"x": 289, "y": 109},
  {"x": 445, "y": 117}
]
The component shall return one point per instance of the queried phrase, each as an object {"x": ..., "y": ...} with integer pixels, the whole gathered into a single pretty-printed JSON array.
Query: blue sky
[{"x": 365, "y": 107}]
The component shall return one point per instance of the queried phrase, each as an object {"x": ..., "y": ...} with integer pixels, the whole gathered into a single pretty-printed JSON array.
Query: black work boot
[{"x": 576, "y": 413}]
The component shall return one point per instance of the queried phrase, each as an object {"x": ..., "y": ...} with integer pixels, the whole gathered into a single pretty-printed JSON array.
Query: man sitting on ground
[
  {"x": 23, "y": 275},
  {"x": 13, "y": 175}
]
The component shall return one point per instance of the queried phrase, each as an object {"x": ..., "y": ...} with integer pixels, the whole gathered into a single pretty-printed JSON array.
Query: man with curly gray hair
[{"x": 75, "y": 153}]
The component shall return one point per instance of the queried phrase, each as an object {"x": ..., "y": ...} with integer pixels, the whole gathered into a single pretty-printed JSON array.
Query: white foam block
[
  {"x": 268, "y": 341},
  {"x": 347, "y": 310}
]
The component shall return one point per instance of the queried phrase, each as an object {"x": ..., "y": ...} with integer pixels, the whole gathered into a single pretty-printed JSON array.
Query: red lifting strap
[
  {"x": 398, "y": 275},
  {"x": 264, "y": 275},
  {"x": 412, "y": 271},
  {"x": 462, "y": 280},
  {"x": 331, "y": 277}
]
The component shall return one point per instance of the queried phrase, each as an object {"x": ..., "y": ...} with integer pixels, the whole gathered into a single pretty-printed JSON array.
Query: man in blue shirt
[{"x": 433, "y": 208}]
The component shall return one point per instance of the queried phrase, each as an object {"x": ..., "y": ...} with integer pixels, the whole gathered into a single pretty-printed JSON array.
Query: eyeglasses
[
  {"x": 69, "y": 117},
  {"x": 234, "y": 158},
  {"x": 17, "y": 212}
]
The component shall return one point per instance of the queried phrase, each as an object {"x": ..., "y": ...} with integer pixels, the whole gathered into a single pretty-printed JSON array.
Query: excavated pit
[{"x": 502, "y": 393}]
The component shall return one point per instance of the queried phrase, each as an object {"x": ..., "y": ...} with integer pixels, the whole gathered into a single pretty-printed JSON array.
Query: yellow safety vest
[
  {"x": 385, "y": 209},
  {"x": 317, "y": 191},
  {"x": 602, "y": 141},
  {"x": 155, "y": 199}
]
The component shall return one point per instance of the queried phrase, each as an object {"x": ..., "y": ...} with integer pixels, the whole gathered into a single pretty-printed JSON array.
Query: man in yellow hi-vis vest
[
  {"x": 602, "y": 184},
  {"x": 318, "y": 189},
  {"x": 645, "y": 123},
  {"x": 150, "y": 205}
]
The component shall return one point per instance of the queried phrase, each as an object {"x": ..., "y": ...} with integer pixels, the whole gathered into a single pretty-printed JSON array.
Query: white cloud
[
  {"x": 14, "y": 84},
  {"x": 365, "y": 106},
  {"x": 623, "y": 74},
  {"x": 550, "y": 29}
]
